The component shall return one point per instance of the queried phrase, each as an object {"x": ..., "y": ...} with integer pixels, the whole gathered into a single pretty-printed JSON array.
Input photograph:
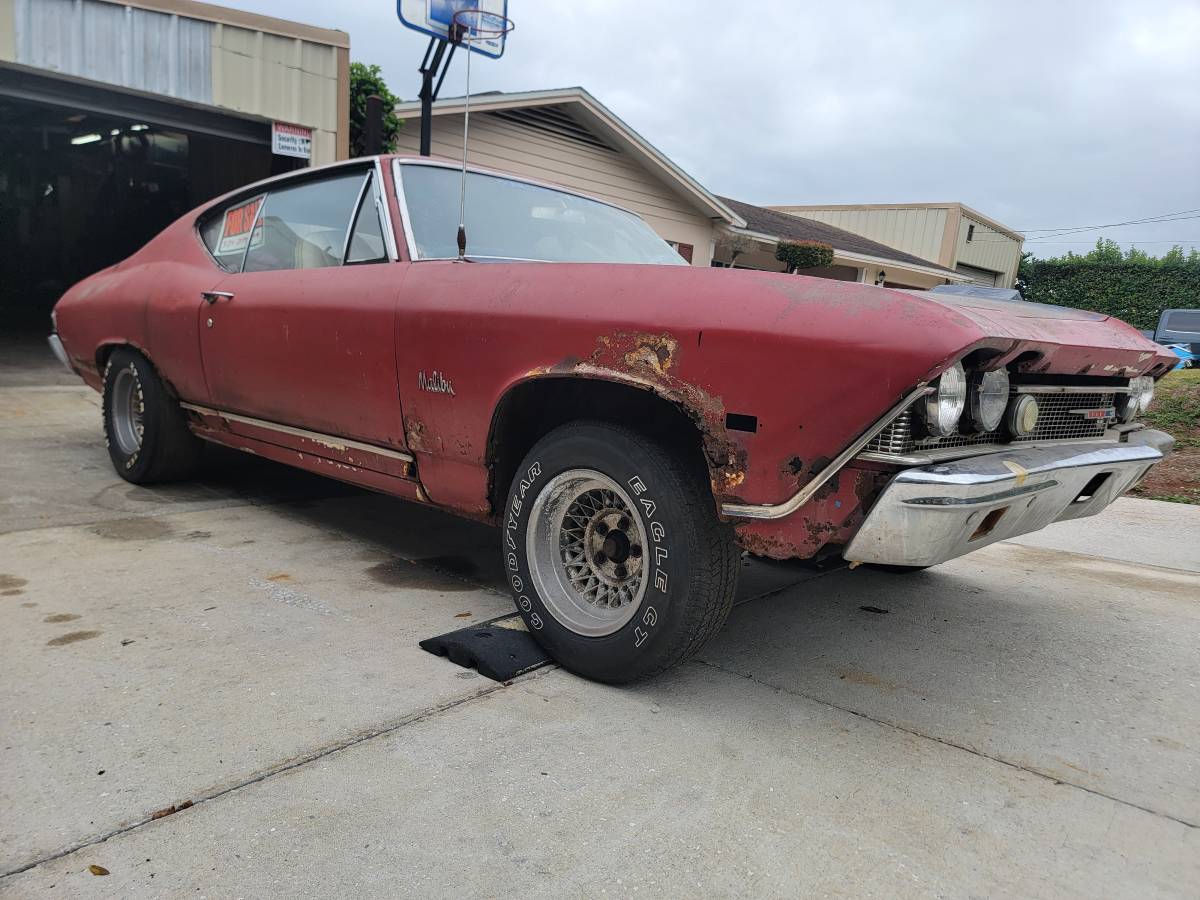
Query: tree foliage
[
  {"x": 364, "y": 81},
  {"x": 803, "y": 254},
  {"x": 1129, "y": 284}
]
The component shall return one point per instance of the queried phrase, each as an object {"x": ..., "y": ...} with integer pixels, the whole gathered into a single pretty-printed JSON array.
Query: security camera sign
[{"x": 291, "y": 140}]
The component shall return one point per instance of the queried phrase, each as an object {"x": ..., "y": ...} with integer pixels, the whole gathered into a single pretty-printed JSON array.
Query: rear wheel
[
  {"x": 146, "y": 431},
  {"x": 614, "y": 553}
]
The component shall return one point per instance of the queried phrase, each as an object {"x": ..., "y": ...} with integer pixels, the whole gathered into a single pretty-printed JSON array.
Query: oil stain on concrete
[
  {"x": 404, "y": 574},
  {"x": 61, "y": 617},
  {"x": 11, "y": 585},
  {"x": 72, "y": 637},
  {"x": 140, "y": 529}
]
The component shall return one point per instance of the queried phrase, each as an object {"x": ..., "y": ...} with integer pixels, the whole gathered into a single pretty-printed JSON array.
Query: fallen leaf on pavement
[
  {"x": 97, "y": 870},
  {"x": 171, "y": 810}
]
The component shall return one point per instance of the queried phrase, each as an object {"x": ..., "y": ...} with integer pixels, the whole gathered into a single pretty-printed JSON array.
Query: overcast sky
[{"x": 1040, "y": 114}]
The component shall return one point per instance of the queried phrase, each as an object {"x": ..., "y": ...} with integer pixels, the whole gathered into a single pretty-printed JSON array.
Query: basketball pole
[{"x": 435, "y": 65}]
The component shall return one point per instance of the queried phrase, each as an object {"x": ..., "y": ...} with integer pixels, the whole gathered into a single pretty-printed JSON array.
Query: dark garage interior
[{"x": 88, "y": 175}]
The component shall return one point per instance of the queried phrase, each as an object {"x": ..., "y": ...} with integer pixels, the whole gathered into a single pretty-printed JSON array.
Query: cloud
[{"x": 1039, "y": 114}]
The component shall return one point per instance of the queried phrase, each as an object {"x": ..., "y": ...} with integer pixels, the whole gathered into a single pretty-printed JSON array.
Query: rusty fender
[{"x": 645, "y": 361}]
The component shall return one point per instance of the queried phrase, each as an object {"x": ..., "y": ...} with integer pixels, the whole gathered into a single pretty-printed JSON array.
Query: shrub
[
  {"x": 364, "y": 81},
  {"x": 803, "y": 254}
]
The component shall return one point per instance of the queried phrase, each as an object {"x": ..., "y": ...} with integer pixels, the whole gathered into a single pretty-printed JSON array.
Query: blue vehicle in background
[{"x": 1179, "y": 331}]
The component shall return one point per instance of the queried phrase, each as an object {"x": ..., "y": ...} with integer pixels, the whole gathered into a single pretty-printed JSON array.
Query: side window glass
[
  {"x": 304, "y": 227},
  {"x": 227, "y": 232},
  {"x": 366, "y": 237}
]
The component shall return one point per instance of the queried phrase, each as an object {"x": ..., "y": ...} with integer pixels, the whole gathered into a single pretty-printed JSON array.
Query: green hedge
[{"x": 1135, "y": 292}]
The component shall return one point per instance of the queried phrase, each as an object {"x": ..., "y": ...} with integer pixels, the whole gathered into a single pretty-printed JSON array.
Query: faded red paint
[{"x": 339, "y": 352}]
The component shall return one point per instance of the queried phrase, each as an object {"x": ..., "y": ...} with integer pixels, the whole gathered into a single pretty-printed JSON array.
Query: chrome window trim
[
  {"x": 329, "y": 440},
  {"x": 789, "y": 506},
  {"x": 250, "y": 240},
  {"x": 402, "y": 203},
  {"x": 354, "y": 214},
  {"x": 264, "y": 186},
  {"x": 385, "y": 214}
]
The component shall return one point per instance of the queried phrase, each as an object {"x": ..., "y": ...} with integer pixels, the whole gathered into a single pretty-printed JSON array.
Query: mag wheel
[
  {"x": 614, "y": 553},
  {"x": 147, "y": 435}
]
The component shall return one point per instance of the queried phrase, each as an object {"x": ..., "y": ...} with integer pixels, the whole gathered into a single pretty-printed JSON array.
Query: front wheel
[{"x": 614, "y": 553}]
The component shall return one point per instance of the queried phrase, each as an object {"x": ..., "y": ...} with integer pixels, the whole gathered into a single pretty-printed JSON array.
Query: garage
[{"x": 116, "y": 118}]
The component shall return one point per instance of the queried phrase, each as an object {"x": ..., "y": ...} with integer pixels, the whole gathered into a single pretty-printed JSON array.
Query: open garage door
[{"x": 89, "y": 172}]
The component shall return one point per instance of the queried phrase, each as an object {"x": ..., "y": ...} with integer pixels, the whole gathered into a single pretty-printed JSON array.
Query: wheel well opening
[{"x": 534, "y": 408}]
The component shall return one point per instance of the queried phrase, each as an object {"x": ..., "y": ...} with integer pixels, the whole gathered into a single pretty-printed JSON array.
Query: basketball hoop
[
  {"x": 473, "y": 26},
  {"x": 477, "y": 25}
]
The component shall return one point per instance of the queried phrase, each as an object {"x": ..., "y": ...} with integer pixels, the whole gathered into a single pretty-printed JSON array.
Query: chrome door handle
[{"x": 213, "y": 296}]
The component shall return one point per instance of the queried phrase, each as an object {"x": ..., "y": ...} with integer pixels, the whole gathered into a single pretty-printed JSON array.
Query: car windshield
[{"x": 509, "y": 219}]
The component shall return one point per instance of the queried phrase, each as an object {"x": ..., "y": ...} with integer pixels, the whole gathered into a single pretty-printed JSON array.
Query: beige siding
[
  {"x": 607, "y": 174},
  {"x": 988, "y": 249},
  {"x": 917, "y": 231},
  {"x": 8, "y": 31},
  {"x": 282, "y": 78}
]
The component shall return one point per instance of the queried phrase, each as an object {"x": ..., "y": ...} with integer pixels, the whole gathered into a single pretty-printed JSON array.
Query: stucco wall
[{"x": 604, "y": 173}]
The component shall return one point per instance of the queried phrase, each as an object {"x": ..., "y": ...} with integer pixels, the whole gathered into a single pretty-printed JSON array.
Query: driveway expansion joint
[
  {"x": 303, "y": 760},
  {"x": 949, "y": 743}
]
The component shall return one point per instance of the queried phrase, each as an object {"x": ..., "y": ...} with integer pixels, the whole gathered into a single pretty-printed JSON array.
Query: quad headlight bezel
[{"x": 943, "y": 408}]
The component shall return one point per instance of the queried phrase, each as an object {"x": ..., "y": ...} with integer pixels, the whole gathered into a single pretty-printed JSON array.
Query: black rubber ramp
[{"x": 499, "y": 649}]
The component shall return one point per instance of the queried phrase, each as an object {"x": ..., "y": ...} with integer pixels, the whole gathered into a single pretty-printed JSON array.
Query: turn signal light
[{"x": 1022, "y": 416}]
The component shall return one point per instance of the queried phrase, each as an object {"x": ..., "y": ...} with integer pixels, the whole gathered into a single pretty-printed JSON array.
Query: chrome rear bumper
[{"x": 934, "y": 513}]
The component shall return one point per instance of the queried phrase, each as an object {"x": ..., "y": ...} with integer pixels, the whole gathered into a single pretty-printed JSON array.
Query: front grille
[{"x": 1056, "y": 422}]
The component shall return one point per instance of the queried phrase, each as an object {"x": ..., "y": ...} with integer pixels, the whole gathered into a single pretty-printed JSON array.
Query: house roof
[
  {"x": 790, "y": 227},
  {"x": 601, "y": 118}
]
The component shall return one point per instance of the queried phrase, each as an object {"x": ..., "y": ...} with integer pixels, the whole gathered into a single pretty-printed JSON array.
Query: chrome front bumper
[{"x": 930, "y": 514}]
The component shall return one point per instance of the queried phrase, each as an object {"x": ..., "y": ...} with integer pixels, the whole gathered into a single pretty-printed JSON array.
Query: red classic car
[{"x": 627, "y": 421}]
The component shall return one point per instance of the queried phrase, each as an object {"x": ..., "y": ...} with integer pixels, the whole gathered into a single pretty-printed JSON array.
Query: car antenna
[{"x": 468, "y": 26}]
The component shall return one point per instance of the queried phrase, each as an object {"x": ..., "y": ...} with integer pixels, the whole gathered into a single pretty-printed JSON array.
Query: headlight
[
  {"x": 1022, "y": 416},
  {"x": 944, "y": 407},
  {"x": 988, "y": 400},
  {"x": 1145, "y": 392},
  {"x": 1137, "y": 401}
]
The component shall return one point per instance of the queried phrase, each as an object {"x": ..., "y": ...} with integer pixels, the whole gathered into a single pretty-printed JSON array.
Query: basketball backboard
[{"x": 433, "y": 17}]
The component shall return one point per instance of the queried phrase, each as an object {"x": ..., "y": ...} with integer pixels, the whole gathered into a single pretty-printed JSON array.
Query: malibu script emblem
[{"x": 434, "y": 383}]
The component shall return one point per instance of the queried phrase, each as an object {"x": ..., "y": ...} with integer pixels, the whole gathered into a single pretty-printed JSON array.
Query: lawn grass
[
  {"x": 1176, "y": 407},
  {"x": 1176, "y": 410}
]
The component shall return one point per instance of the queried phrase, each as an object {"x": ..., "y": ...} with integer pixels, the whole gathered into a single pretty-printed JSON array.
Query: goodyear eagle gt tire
[
  {"x": 614, "y": 553},
  {"x": 146, "y": 432}
]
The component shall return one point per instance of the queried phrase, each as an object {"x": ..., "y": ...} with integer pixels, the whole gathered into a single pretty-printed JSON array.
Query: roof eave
[
  {"x": 853, "y": 256},
  {"x": 701, "y": 197}
]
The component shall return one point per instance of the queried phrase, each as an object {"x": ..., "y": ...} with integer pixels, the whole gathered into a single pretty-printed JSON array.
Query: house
[
  {"x": 568, "y": 137},
  {"x": 954, "y": 236},
  {"x": 855, "y": 258}
]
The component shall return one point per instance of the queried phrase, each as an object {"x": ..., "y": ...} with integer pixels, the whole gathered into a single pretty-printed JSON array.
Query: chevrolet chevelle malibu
[{"x": 629, "y": 423}]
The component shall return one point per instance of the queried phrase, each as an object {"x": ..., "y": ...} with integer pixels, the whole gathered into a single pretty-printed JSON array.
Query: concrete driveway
[{"x": 1023, "y": 722}]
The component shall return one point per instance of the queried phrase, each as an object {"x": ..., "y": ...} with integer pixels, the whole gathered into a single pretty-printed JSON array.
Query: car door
[{"x": 302, "y": 333}]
